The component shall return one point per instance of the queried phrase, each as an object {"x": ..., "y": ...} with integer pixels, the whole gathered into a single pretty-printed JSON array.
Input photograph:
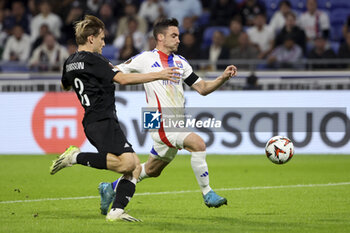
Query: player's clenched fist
[{"x": 230, "y": 71}]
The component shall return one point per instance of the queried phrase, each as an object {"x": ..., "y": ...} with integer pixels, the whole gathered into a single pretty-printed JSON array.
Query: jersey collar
[{"x": 167, "y": 61}]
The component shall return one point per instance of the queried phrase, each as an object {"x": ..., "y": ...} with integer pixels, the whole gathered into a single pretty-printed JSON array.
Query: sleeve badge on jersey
[
  {"x": 128, "y": 61},
  {"x": 179, "y": 64},
  {"x": 115, "y": 69}
]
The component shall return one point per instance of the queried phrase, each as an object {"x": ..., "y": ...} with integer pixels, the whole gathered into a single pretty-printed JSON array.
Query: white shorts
[{"x": 166, "y": 144}]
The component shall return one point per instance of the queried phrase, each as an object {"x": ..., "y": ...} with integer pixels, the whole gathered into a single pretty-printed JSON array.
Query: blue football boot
[
  {"x": 107, "y": 196},
  {"x": 211, "y": 199}
]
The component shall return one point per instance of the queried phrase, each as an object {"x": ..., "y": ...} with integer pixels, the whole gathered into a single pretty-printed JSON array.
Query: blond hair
[{"x": 90, "y": 25}]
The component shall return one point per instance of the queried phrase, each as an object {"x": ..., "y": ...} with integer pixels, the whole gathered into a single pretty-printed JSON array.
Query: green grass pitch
[{"x": 308, "y": 194}]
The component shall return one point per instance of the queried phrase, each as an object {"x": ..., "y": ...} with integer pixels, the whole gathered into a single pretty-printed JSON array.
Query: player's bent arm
[
  {"x": 206, "y": 87},
  {"x": 169, "y": 73}
]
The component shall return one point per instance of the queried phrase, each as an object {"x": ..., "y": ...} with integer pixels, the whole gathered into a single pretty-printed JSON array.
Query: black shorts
[{"x": 107, "y": 136}]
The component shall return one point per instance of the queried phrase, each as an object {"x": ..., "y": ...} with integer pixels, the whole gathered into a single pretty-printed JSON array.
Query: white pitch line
[
  {"x": 49, "y": 199},
  {"x": 186, "y": 191}
]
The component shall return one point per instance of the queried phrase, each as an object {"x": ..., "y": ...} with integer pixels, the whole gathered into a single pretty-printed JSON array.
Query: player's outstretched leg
[
  {"x": 196, "y": 145},
  {"x": 107, "y": 196},
  {"x": 64, "y": 160},
  {"x": 200, "y": 169}
]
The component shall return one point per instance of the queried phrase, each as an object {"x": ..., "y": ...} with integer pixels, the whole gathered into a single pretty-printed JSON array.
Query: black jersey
[{"x": 91, "y": 76}]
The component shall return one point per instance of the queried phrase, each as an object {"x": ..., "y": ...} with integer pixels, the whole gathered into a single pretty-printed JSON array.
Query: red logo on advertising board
[{"x": 56, "y": 122}]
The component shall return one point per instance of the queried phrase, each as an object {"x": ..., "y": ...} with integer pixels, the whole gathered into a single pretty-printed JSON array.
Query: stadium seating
[
  {"x": 269, "y": 14},
  {"x": 338, "y": 16},
  {"x": 339, "y": 4},
  {"x": 334, "y": 46},
  {"x": 204, "y": 19},
  {"x": 209, "y": 31},
  {"x": 299, "y": 5},
  {"x": 336, "y": 33},
  {"x": 110, "y": 52},
  {"x": 239, "y": 1},
  {"x": 338, "y": 11},
  {"x": 14, "y": 67},
  {"x": 324, "y": 4},
  {"x": 272, "y": 4}
]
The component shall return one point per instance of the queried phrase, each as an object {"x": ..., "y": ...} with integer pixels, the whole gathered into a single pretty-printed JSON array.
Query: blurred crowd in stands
[{"x": 40, "y": 34}]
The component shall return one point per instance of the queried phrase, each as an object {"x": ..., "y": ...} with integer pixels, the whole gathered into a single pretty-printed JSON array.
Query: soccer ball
[{"x": 279, "y": 149}]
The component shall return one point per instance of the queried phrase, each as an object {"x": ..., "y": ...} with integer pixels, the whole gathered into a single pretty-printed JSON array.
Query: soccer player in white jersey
[{"x": 167, "y": 95}]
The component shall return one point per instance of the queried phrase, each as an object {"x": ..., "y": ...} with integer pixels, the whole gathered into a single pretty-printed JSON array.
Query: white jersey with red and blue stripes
[
  {"x": 166, "y": 96},
  {"x": 160, "y": 93}
]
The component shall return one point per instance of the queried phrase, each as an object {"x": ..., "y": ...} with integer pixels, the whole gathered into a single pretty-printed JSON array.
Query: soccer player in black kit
[{"x": 92, "y": 77}]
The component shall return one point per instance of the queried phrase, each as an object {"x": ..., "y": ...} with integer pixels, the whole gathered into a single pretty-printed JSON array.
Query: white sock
[
  {"x": 200, "y": 169},
  {"x": 133, "y": 180},
  {"x": 143, "y": 173}
]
